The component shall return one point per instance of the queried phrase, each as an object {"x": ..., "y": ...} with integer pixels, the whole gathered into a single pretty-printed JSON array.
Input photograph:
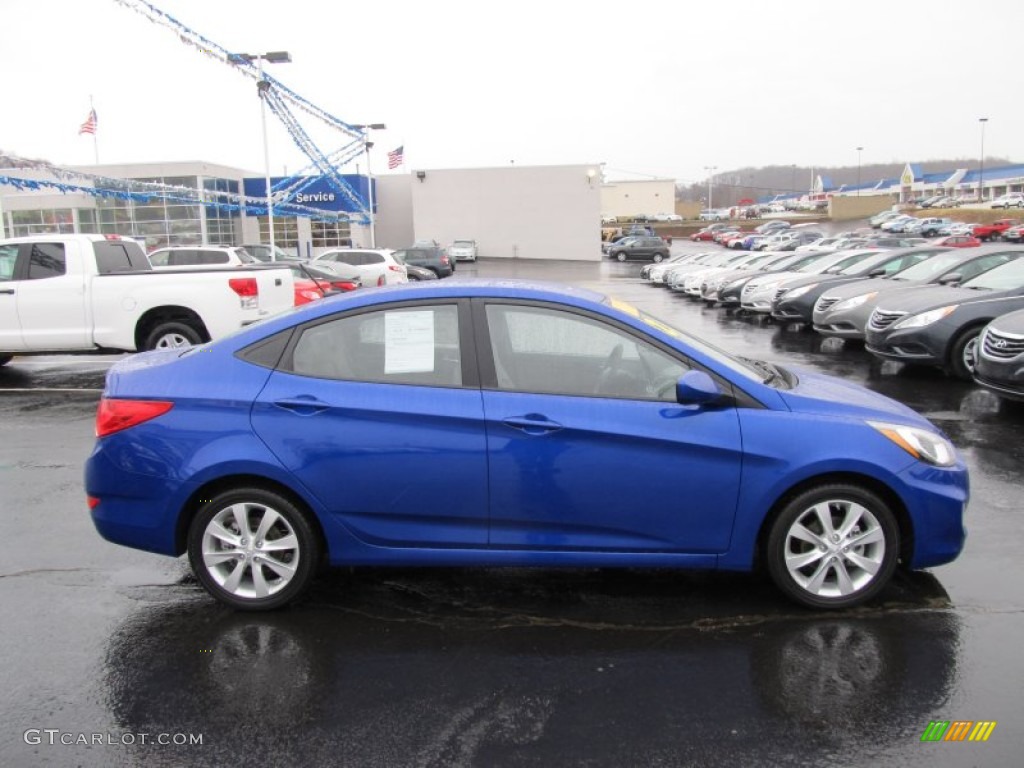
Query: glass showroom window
[
  {"x": 88, "y": 221},
  {"x": 286, "y": 232},
  {"x": 42, "y": 222},
  {"x": 221, "y": 219},
  {"x": 331, "y": 234}
]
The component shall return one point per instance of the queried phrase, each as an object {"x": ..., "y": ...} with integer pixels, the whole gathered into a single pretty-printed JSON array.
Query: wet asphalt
[{"x": 107, "y": 653}]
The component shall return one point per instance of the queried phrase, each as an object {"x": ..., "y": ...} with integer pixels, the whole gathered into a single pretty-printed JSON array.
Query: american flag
[
  {"x": 89, "y": 126},
  {"x": 395, "y": 158}
]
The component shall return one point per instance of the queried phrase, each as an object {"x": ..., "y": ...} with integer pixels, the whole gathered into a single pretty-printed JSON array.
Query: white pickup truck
[{"x": 92, "y": 293}]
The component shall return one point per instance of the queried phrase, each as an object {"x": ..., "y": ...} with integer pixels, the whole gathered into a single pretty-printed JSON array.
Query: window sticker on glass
[{"x": 409, "y": 342}]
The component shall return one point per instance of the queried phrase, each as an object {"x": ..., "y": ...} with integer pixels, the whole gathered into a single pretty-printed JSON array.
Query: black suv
[
  {"x": 644, "y": 247},
  {"x": 431, "y": 257}
]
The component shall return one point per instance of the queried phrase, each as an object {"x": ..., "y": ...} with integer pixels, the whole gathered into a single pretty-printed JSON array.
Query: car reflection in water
[{"x": 528, "y": 666}]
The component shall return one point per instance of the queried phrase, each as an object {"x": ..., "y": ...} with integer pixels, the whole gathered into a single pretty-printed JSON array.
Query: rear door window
[{"x": 46, "y": 260}]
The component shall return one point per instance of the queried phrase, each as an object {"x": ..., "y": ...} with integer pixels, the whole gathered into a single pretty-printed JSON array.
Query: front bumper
[
  {"x": 913, "y": 345},
  {"x": 1004, "y": 377}
]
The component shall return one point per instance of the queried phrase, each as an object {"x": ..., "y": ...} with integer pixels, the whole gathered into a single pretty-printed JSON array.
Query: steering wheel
[{"x": 613, "y": 380}]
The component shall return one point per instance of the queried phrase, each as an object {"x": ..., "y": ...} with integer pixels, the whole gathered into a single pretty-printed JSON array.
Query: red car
[
  {"x": 994, "y": 230},
  {"x": 709, "y": 231},
  {"x": 306, "y": 291},
  {"x": 958, "y": 241}
]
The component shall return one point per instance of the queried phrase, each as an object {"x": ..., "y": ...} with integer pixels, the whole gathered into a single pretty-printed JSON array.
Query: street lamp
[
  {"x": 711, "y": 177},
  {"x": 981, "y": 171},
  {"x": 262, "y": 87},
  {"x": 859, "y": 150},
  {"x": 369, "y": 174}
]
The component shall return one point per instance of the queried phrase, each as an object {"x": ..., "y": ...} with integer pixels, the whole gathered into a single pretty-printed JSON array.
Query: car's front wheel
[
  {"x": 253, "y": 549},
  {"x": 833, "y": 546},
  {"x": 657, "y": 258},
  {"x": 963, "y": 354},
  {"x": 620, "y": 256}
]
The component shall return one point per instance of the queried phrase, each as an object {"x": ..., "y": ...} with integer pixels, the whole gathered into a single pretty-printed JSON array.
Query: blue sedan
[{"x": 469, "y": 423}]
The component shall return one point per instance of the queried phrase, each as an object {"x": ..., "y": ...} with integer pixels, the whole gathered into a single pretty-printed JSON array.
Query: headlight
[
  {"x": 798, "y": 292},
  {"x": 856, "y": 301},
  {"x": 920, "y": 443},
  {"x": 926, "y": 318}
]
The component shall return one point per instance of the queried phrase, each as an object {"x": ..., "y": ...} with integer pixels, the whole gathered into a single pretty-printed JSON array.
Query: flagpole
[{"x": 95, "y": 145}]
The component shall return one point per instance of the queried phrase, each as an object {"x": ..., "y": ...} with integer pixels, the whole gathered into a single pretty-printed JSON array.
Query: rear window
[{"x": 119, "y": 256}]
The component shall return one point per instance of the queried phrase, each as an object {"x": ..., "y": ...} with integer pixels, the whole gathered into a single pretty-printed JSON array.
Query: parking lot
[{"x": 483, "y": 667}]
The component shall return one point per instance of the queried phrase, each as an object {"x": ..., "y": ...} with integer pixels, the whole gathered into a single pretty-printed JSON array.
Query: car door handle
[
  {"x": 7, "y": 290},
  {"x": 532, "y": 424},
  {"x": 303, "y": 405}
]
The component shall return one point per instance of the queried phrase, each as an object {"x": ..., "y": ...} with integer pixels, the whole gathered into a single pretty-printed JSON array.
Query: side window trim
[
  {"x": 467, "y": 352},
  {"x": 485, "y": 353}
]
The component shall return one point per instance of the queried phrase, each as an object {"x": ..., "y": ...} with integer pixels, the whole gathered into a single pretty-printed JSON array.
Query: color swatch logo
[{"x": 958, "y": 730}]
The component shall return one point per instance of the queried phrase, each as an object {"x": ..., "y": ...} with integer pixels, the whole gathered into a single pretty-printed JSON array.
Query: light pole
[
  {"x": 262, "y": 86},
  {"x": 369, "y": 174},
  {"x": 859, "y": 150},
  {"x": 711, "y": 177},
  {"x": 981, "y": 171}
]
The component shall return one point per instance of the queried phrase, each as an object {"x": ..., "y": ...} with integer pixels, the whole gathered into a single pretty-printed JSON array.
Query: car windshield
[
  {"x": 930, "y": 267},
  {"x": 1004, "y": 278}
]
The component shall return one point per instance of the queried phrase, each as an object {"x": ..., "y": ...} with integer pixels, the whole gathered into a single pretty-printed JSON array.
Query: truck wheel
[
  {"x": 172, "y": 335},
  {"x": 5, "y": 359}
]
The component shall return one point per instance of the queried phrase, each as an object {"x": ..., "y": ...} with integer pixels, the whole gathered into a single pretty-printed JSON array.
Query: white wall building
[{"x": 638, "y": 198}]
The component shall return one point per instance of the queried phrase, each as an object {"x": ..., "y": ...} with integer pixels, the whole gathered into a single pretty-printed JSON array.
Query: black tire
[
  {"x": 830, "y": 558},
  {"x": 228, "y": 569},
  {"x": 5, "y": 359},
  {"x": 620, "y": 256},
  {"x": 172, "y": 334},
  {"x": 963, "y": 353},
  {"x": 657, "y": 258}
]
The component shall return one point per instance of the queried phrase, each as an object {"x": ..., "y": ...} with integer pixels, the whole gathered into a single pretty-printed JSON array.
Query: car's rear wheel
[
  {"x": 657, "y": 258},
  {"x": 833, "y": 546},
  {"x": 253, "y": 549},
  {"x": 172, "y": 335}
]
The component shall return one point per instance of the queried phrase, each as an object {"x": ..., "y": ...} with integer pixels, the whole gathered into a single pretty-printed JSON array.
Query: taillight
[
  {"x": 380, "y": 280},
  {"x": 444, "y": 260},
  {"x": 92, "y": 501},
  {"x": 344, "y": 285},
  {"x": 115, "y": 415},
  {"x": 248, "y": 291},
  {"x": 396, "y": 268}
]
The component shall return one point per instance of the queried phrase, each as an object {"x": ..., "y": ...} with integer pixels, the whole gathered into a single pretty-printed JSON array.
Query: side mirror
[
  {"x": 951, "y": 279},
  {"x": 877, "y": 272},
  {"x": 696, "y": 388}
]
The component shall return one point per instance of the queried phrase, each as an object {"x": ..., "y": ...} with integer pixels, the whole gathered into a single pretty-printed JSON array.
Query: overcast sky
[{"x": 656, "y": 89}]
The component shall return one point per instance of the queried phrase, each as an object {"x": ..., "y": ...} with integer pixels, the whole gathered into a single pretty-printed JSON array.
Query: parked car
[
  {"x": 930, "y": 226},
  {"x": 375, "y": 267},
  {"x": 201, "y": 256},
  {"x": 958, "y": 241},
  {"x": 843, "y": 311},
  {"x": 306, "y": 290},
  {"x": 993, "y": 230},
  {"x": 1000, "y": 356},
  {"x": 339, "y": 278},
  {"x": 713, "y": 215},
  {"x": 1010, "y": 200},
  {"x": 267, "y": 253},
  {"x": 795, "y": 300},
  {"x": 939, "y": 326},
  {"x": 462, "y": 250},
  {"x": 416, "y": 274},
  {"x": 434, "y": 258},
  {"x": 667, "y": 217},
  {"x": 653, "y": 248},
  {"x": 315, "y": 438}
]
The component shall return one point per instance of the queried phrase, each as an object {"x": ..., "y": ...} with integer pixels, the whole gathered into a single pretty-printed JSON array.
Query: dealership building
[{"x": 533, "y": 212}]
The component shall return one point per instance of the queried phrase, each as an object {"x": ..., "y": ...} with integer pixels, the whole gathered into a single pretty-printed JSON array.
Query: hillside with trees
[{"x": 729, "y": 187}]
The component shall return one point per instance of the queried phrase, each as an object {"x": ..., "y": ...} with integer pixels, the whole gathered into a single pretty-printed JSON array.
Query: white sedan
[{"x": 375, "y": 267}]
